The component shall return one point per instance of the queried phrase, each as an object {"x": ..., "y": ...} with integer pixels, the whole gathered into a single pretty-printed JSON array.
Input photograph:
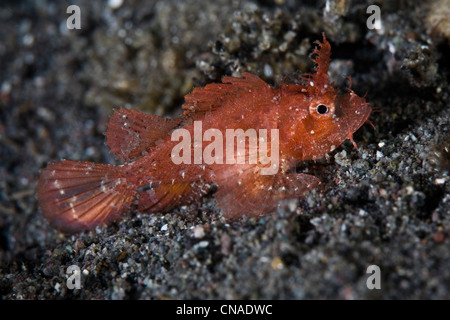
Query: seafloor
[{"x": 385, "y": 204}]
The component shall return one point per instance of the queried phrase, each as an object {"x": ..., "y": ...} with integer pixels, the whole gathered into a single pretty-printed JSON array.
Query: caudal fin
[{"x": 76, "y": 196}]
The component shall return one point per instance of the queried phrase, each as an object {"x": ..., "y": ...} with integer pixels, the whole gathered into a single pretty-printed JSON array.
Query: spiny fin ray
[{"x": 216, "y": 95}]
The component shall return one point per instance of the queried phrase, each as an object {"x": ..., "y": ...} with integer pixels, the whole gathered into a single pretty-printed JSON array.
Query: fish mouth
[
  {"x": 363, "y": 112},
  {"x": 364, "y": 118}
]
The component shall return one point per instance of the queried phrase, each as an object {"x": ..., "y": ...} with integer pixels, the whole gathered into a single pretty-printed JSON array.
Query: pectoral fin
[{"x": 254, "y": 196}]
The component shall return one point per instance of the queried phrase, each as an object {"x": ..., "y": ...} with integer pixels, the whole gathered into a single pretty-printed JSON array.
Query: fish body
[{"x": 172, "y": 162}]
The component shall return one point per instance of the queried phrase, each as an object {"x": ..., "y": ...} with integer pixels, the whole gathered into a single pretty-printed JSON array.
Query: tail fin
[{"x": 76, "y": 196}]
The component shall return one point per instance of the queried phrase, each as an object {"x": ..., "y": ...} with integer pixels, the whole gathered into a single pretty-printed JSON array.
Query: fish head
[{"x": 319, "y": 119}]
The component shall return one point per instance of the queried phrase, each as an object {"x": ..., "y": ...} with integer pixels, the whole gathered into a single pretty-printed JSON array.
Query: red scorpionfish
[{"x": 307, "y": 121}]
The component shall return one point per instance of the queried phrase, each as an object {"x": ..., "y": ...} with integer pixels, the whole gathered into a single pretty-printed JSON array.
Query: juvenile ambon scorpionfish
[{"x": 311, "y": 120}]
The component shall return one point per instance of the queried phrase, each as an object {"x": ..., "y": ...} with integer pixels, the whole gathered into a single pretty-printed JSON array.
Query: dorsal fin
[
  {"x": 131, "y": 132},
  {"x": 215, "y": 95},
  {"x": 321, "y": 58}
]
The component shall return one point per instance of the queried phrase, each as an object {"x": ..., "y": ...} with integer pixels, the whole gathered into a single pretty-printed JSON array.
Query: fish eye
[{"x": 322, "y": 109}]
